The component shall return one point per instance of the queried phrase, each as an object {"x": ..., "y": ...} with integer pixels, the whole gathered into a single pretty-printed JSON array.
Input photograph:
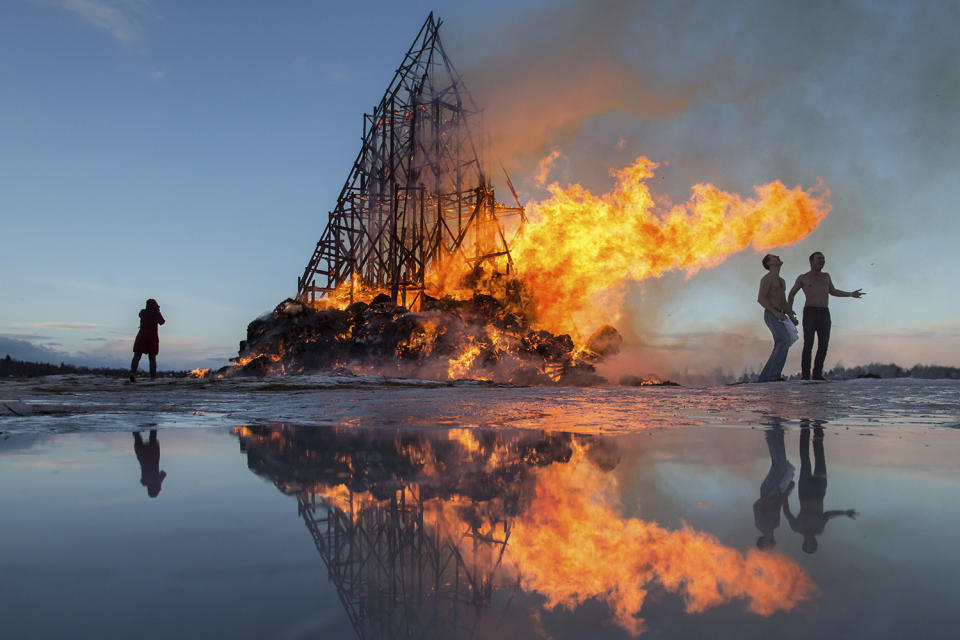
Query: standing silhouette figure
[
  {"x": 148, "y": 455},
  {"x": 148, "y": 339},
  {"x": 812, "y": 520},
  {"x": 774, "y": 489}
]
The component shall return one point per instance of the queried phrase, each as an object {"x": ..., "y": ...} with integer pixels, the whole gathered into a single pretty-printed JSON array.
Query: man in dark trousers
[
  {"x": 817, "y": 289},
  {"x": 812, "y": 520}
]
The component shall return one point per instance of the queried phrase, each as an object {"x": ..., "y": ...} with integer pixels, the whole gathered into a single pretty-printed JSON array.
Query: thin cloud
[
  {"x": 113, "y": 16},
  {"x": 25, "y": 336},
  {"x": 57, "y": 325}
]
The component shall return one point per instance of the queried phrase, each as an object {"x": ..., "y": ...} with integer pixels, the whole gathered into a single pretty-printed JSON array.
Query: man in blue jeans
[
  {"x": 817, "y": 289},
  {"x": 772, "y": 298}
]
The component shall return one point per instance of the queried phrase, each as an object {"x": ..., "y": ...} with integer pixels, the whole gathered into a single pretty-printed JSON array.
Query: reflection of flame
[
  {"x": 571, "y": 528},
  {"x": 530, "y": 508},
  {"x": 466, "y": 439},
  {"x": 582, "y": 248}
]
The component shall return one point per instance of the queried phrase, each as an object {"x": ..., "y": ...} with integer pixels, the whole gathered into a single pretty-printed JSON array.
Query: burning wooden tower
[{"x": 418, "y": 197}]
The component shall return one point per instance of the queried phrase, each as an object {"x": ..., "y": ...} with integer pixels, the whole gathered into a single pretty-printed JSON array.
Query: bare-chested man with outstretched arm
[
  {"x": 817, "y": 289},
  {"x": 772, "y": 297}
]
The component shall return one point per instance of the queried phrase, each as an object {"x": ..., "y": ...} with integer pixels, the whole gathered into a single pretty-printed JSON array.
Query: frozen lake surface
[{"x": 371, "y": 508}]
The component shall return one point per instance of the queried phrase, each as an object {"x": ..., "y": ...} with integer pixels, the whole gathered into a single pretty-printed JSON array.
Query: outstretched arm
[
  {"x": 844, "y": 294},
  {"x": 850, "y": 513}
]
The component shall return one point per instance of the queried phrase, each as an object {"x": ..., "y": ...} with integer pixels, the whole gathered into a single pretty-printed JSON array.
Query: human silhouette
[
  {"x": 811, "y": 520},
  {"x": 779, "y": 318},
  {"x": 148, "y": 340},
  {"x": 774, "y": 489},
  {"x": 148, "y": 455},
  {"x": 817, "y": 288}
]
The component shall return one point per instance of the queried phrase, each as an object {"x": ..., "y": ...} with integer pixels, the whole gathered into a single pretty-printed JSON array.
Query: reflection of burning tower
[
  {"x": 418, "y": 194},
  {"x": 412, "y": 526},
  {"x": 400, "y": 578}
]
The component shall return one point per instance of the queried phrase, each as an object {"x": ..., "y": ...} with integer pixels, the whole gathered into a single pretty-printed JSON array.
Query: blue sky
[{"x": 189, "y": 152}]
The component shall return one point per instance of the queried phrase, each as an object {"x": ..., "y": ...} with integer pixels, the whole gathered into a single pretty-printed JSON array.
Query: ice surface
[{"x": 69, "y": 403}]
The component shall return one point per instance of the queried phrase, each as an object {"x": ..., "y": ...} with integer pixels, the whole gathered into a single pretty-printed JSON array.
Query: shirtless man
[
  {"x": 817, "y": 289},
  {"x": 775, "y": 311}
]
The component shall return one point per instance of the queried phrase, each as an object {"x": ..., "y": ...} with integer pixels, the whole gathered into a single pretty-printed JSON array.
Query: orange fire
[
  {"x": 573, "y": 546},
  {"x": 350, "y": 290},
  {"x": 199, "y": 373},
  {"x": 566, "y": 273},
  {"x": 580, "y": 249}
]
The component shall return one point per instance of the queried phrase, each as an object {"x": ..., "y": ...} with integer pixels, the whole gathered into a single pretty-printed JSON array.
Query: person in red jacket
[{"x": 147, "y": 342}]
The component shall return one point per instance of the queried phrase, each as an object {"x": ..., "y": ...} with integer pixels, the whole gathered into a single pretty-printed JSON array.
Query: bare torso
[
  {"x": 773, "y": 292},
  {"x": 816, "y": 288}
]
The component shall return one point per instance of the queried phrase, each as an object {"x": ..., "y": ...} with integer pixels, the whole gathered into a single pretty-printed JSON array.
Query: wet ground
[{"x": 367, "y": 508}]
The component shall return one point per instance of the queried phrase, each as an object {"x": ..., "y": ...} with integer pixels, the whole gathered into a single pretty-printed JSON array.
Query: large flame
[
  {"x": 580, "y": 249},
  {"x": 542, "y": 312},
  {"x": 572, "y": 545}
]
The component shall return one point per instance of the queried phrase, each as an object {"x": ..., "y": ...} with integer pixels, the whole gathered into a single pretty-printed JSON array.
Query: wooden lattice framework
[
  {"x": 396, "y": 576},
  {"x": 418, "y": 194}
]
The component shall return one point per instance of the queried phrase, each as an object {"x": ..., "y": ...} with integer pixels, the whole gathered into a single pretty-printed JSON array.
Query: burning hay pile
[{"x": 446, "y": 339}]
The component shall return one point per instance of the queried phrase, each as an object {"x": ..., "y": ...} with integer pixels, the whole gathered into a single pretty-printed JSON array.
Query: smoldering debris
[{"x": 446, "y": 339}]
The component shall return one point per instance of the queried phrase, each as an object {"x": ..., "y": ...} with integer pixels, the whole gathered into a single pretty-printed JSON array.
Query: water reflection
[
  {"x": 775, "y": 488},
  {"x": 432, "y": 534},
  {"x": 812, "y": 520},
  {"x": 148, "y": 455}
]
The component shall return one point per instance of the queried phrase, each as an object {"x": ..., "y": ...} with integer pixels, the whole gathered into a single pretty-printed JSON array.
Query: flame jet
[{"x": 579, "y": 250}]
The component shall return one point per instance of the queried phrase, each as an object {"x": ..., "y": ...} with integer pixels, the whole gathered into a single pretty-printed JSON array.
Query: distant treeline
[
  {"x": 877, "y": 370},
  {"x": 10, "y": 368}
]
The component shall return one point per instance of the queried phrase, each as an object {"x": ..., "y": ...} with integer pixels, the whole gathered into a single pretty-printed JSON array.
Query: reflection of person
[
  {"x": 148, "y": 455},
  {"x": 148, "y": 340},
  {"x": 811, "y": 520},
  {"x": 775, "y": 310},
  {"x": 774, "y": 489},
  {"x": 817, "y": 289}
]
